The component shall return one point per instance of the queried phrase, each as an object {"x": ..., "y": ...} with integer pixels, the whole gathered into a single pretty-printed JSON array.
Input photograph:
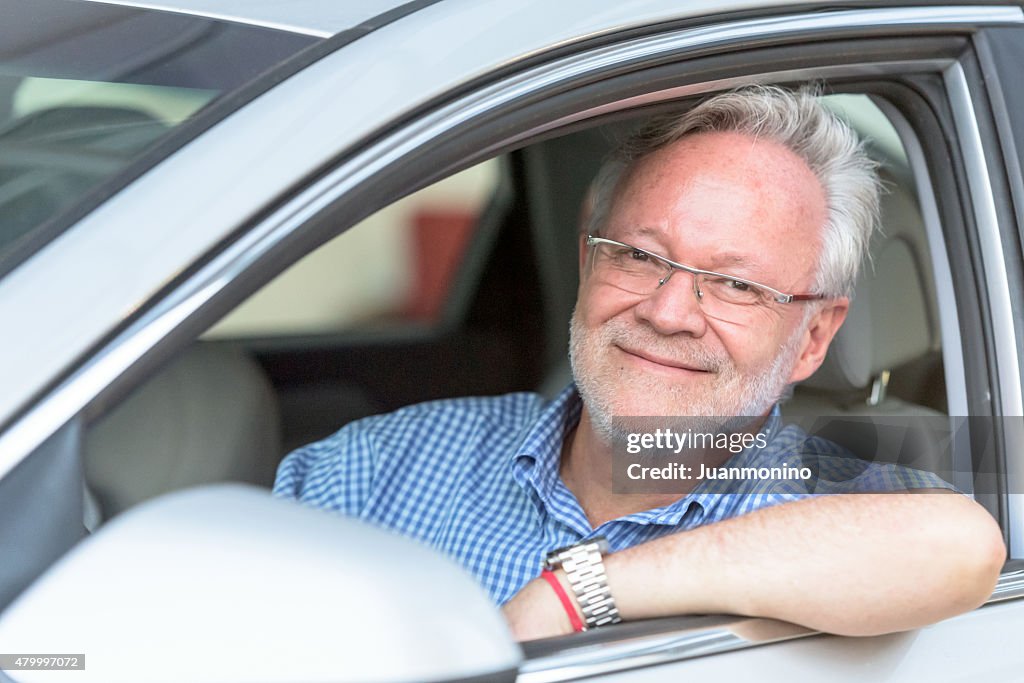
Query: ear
[{"x": 819, "y": 334}]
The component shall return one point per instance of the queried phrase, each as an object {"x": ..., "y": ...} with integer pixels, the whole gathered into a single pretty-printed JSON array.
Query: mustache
[{"x": 689, "y": 353}]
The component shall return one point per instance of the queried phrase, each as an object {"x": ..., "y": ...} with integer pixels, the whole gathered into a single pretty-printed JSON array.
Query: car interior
[{"x": 487, "y": 286}]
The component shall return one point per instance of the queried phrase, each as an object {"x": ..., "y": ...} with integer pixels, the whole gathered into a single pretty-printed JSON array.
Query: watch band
[{"x": 584, "y": 570}]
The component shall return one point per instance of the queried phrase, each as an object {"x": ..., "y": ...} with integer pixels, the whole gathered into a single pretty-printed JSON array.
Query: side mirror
[{"x": 225, "y": 583}]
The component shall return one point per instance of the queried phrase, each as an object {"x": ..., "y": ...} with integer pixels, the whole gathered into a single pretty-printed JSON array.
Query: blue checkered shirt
[{"x": 477, "y": 479}]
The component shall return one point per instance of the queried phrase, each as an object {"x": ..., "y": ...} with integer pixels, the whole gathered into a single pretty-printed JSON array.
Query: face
[{"x": 716, "y": 201}]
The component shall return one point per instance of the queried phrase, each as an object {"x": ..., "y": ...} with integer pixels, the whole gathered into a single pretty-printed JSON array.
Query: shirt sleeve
[{"x": 336, "y": 473}]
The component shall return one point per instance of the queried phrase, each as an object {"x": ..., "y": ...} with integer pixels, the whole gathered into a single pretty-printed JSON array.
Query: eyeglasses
[{"x": 721, "y": 296}]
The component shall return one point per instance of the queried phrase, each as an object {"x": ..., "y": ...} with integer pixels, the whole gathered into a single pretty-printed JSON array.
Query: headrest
[{"x": 890, "y": 321}]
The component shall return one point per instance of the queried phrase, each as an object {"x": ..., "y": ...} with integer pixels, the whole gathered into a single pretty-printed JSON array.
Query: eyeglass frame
[{"x": 778, "y": 296}]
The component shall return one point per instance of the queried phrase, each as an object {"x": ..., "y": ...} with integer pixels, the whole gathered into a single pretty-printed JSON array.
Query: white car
[{"x": 228, "y": 227}]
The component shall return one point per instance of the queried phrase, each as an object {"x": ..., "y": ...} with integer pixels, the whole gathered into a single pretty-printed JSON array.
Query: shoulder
[
  {"x": 494, "y": 417},
  {"x": 506, "y": 408},
  {"x": 435, "y": 432},
  {"x": 836, "y": 469}
]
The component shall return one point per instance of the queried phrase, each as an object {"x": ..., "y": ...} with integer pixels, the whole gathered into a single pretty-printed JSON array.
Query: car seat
[
  {"x": 211, "y": 416},
  {"x": 892, "y": 323}
]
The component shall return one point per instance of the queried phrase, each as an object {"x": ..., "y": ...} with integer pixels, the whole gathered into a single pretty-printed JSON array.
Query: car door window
[{"x": 397, "y": 266}]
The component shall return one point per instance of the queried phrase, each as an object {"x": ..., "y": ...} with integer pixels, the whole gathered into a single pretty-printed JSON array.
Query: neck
[{"x": 586, "y": 470}]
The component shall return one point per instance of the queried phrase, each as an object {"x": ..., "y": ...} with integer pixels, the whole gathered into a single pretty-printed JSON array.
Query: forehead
[{"x": 724, "y": 199}]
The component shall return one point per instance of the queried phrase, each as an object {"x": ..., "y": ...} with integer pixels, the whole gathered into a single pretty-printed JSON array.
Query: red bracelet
[{"x": 567, "y": 603}]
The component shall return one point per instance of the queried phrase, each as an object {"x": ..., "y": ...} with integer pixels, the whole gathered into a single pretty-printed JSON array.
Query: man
[{"x": 723, "y": 248}]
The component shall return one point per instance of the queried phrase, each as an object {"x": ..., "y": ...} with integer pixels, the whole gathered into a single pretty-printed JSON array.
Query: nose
[{"x": 674, "y": 307}]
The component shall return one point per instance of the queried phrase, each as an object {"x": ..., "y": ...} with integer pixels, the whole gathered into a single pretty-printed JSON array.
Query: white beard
[{"x": 735, "y": 395}]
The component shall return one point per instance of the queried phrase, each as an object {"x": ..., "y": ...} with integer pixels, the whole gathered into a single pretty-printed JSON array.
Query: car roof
[
  {"x": 324, "y": 18},
  {"x": 312, "y": 17}
]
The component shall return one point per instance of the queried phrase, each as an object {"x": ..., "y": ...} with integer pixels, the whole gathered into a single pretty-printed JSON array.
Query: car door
[{"x": 939, "y": 72}]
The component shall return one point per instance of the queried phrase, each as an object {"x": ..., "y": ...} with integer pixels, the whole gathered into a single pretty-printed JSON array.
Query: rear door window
[
  {"x": 396, "y": 267},
  {"x": 88, "y": 89}
]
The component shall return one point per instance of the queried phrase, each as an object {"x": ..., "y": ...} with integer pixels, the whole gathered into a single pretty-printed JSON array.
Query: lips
[{"x": 662, "y": 360}]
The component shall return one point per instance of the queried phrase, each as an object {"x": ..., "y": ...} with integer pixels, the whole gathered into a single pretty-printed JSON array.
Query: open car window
[{"x": 308, "y": 344}]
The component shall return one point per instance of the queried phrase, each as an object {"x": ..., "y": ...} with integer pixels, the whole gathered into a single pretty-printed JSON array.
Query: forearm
[{"x": 849, "y": 564}]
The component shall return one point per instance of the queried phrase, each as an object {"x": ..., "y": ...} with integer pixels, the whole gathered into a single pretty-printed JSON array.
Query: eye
[
  {"x": 737, "y": 285},
  {"x": 638, "y": 255}
]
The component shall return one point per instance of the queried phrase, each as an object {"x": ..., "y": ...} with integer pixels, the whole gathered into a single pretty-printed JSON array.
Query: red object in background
[{"x": 440, "y": 237}]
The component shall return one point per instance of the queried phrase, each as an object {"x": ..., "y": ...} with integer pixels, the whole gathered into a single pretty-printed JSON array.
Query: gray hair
[{"x": 798, "y": 121}]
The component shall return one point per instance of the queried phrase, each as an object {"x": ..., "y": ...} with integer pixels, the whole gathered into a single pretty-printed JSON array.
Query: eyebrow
[
  {"x": 731, "y": 259},
  {"x": 644, "y": 231},
  {"x": 719, "y": 262}
]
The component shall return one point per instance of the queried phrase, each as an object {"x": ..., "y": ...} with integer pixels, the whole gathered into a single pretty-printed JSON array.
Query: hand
[{"x": 535, "y": 612}]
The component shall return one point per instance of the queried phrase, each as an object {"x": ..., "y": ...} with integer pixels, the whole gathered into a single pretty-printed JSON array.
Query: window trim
[
  {"x": 1008, "y": 371},
  {"x": 665, "y": 641},
  {"x": 949, "y": 315},
  {"x": 632, "y": 645}
]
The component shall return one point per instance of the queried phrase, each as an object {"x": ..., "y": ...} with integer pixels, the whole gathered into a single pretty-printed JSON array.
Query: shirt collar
[
  {"x": 536, "y": 464},
  {"x": 700, "y": 496},
  {"x": 536, "y": 461}
]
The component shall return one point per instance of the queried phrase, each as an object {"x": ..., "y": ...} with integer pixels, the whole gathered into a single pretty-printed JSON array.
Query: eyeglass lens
[{"x": 638, "y": 272}]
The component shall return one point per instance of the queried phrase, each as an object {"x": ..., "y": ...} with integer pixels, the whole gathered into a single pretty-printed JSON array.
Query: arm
[{"x": 859, "y": 564}]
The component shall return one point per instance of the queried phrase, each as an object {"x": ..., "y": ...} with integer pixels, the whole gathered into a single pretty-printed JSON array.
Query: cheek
[
  {"x": 598, "y": 303},
  {"x": 735, "y": 340},
  {"x": 749, "y": 346}
]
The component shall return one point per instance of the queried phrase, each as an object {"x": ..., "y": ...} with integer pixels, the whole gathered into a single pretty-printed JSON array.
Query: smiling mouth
[{"x": 659, "y": 361}]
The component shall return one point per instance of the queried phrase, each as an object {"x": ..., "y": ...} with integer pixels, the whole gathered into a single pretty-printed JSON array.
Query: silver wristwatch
[{"x": 585, "y": 572}]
